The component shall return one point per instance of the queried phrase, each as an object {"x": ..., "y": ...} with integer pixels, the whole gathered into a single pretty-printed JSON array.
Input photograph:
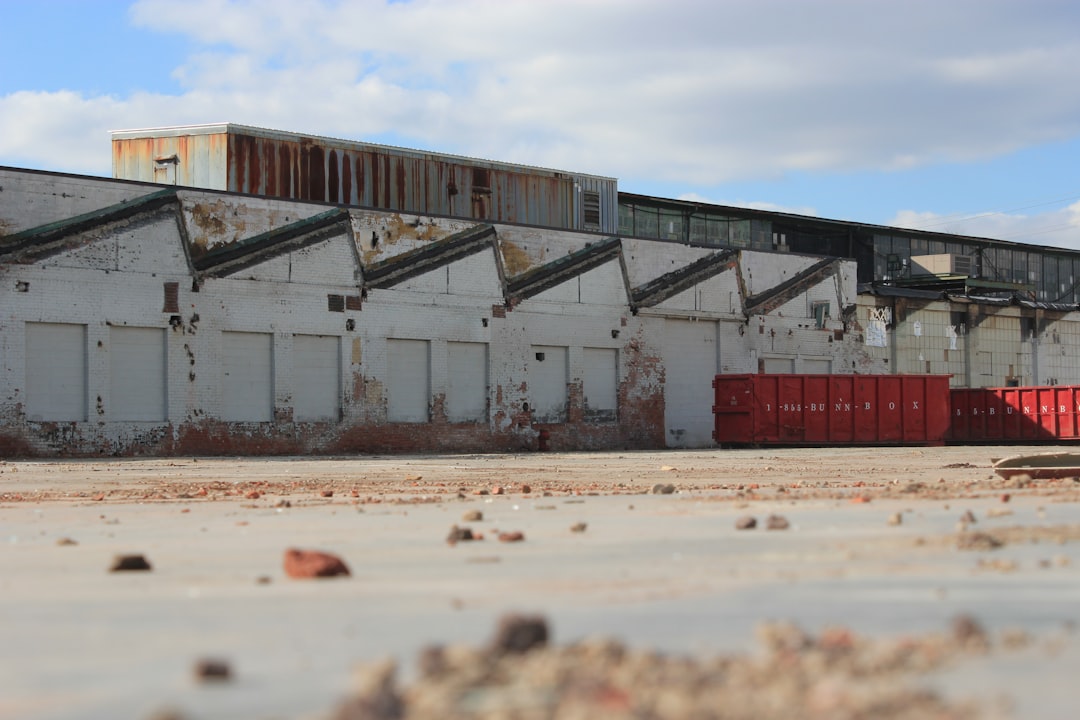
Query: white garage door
[
  {"x": 466, "y": 383},
  {"x": 137, "y": 374},
  {"x": 600, "y": 383},
  {"x": 55, "y": 372},
  {"x": 408, "y": 370},
  {"x": 316, "y": 377},
  {"x": 247, "y": 377},
  {"x": 547, "y": 383},
  {"x": 690, "y": 364}
]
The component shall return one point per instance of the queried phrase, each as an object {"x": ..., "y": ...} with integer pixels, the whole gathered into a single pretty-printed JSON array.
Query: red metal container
[
  {"x": 831, "y": 409},
  {"x": 1037, "y": 414}
]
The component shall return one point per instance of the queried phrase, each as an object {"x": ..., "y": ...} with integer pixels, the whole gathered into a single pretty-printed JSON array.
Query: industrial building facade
[{"x": 153, "y": 318}]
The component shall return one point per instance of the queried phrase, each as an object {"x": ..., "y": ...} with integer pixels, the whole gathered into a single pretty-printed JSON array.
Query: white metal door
[
  {"x": 601, "y": 381},
  {"x": 55, "y": 372},
  {"x": 247, "y": 377},
  {"x": 316, "y": 378},
  {"x": 466, "y": 385},
  {"x": 408, "y": 369},
  {"x": 547, "y": 383},
  {"x": 690, "y": 364},
  {"x": 137, "y": 374}
]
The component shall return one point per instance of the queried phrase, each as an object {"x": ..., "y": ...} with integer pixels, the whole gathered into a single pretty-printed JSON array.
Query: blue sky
[{"x": 952, "y": 115}]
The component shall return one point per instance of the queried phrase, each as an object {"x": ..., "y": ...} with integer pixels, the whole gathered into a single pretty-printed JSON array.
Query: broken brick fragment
[{"x": 301, "y": 564}]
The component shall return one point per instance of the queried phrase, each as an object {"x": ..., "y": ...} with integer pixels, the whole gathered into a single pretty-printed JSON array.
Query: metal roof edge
[
  {"x": 397, "y": 269},
  {"x": 537, "y": 280},
  {"x": 670, "y": 284}
]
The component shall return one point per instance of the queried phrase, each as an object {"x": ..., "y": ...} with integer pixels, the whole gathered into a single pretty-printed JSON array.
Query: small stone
[
  {"x": 746, "y": 522},
  {"x": 968, "y": 633},
  {"x": 459, "y": 534},
  {"x": 201, "y": 492},
  {"x": 978, "y": 541},
  {"x": 99, "y": 497},
  {"x": 668, "y": 468},
  {"x": 578, "y": 527},
  {"x": 497, "y": 490},
  {"x": 514, "y": 536},
  {"x": 327, "y": 493},
  {"x": 413, "y": 478},
  {"x": 517, "y": 634},
  {"x": 253, "y": 495},
  {"x": 263, "y": 580},
  {"x": 663, "y": 489},
  {"x": 375, "y": 695},
  {"x": 896, "y": 519},
  {"x": 213, "y": 670},
  {"x": 123, "y": 563},
  {"x": 776, "y": 522},
  {"x": 283, "y": 504},
  {"x": 968, "y": 517},
  {"x": 302, "y": 564},
  {"x": 1005, "y": 497},
  {"x": 66, "y": 541},
  {"x": 526, "y": 489},
  {"x": 473, "y": 516}
]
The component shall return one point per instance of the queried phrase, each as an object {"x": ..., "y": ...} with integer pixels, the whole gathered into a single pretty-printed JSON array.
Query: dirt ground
[{"x": 786, "y": 583}]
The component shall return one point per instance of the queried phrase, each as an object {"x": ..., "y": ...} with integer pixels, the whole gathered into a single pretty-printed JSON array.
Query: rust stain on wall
[
  {"x": 515, "y": 259},
  {"x": 210, "y": 229}
]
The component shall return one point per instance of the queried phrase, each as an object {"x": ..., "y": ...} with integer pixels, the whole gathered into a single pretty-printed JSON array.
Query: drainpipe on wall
[
  {"x": 897, "y": 306},
  {"x": 1035, "y": 347}
]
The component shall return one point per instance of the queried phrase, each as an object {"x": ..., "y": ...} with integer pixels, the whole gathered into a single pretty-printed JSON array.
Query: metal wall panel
[
  {"x": 467, "y": 381},
  {"x": 690, "y": 363},
  {"x": 316, "y": 378},
  {"x": 601, "y": 382},
  {"x": 137, "y": 374},
  {"x": 289, "y": 165},
  {"x": 247, "y": 367},
  {"x": 547, "y": 382},
  {"x": 408, "y": 371},
  {"x": 55, "y": 372}
]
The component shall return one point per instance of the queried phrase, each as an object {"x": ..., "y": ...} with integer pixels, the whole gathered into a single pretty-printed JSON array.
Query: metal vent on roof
[{"x": 590, "y": 203}]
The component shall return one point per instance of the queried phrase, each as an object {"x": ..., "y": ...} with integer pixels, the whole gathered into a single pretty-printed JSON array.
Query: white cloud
[{"x": 681, "y": 91}]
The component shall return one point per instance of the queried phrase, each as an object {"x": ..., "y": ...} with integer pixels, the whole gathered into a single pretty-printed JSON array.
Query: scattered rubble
[
  {"x": 125, "y": 563},
  {"x": 520, "y": 675},
  {"x": 459, "y": 534},
  {"x": 746, "y": 522},
  {"x": 777, "y": 522},
  {"x": 303, "y": 564},
  {"x": 212, "y": 670}
]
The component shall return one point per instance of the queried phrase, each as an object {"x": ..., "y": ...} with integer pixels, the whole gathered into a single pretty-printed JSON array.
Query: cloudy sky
[{"x": 948, "y": 115}]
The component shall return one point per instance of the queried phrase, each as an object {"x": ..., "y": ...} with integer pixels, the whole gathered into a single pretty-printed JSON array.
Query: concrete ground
[{"x": 875, "y": 543}]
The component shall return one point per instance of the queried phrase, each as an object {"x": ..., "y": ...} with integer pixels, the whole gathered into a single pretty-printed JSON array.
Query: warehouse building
[{"x": 236, "y": 290}]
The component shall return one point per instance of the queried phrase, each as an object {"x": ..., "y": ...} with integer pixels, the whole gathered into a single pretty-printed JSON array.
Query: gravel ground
[{"x": 786, "y": 583}]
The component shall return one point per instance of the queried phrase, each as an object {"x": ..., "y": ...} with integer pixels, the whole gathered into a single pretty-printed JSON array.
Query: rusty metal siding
[
  {"x": 199, "y": 156},
  {"x": 270, "y": 163}
]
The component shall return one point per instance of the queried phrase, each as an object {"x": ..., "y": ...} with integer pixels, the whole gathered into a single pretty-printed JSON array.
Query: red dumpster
[
  {"x": 765, "y": 409},
  {"x": 1005, "y": 414}
]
